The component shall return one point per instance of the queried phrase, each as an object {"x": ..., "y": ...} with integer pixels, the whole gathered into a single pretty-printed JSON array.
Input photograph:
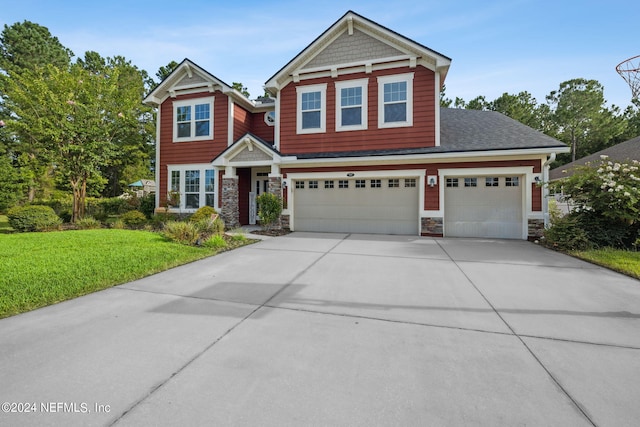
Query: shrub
[
  {"x": 182, "y": 232},
  {"x": 269, "y": 210},
  {"x": 88, "y": 223},
  {"x": 204, "y": 212},
  {"x": 133, "y": 218},
  {"x": 209, "y": 226},
  {"x": 118, "y": 224},
  {"x": 566, "y": 235},
  {"x": 33, "y": 218},
  {"x": 216, "y": 241},
  {"x": 148, "y": 204}
]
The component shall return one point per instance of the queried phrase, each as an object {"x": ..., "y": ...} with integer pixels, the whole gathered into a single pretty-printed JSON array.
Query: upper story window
[
  {"x": 395, "y": 101},
  {"x": 193, "y": 119},
  {"x": 312, "y": 108},
  {"x": 351, "y": 105}
]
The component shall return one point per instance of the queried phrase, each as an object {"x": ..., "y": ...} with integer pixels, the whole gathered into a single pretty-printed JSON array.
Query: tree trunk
[{"x": 76, "y": 200}]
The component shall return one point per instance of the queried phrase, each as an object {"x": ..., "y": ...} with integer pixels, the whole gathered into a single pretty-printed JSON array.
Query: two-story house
[{"x": 354, "y": 140}]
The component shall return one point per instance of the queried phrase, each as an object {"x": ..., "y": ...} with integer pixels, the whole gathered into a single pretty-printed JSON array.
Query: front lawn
[
  {"x": 625, "y": 262},
  {"x": 38, "y": 269}
]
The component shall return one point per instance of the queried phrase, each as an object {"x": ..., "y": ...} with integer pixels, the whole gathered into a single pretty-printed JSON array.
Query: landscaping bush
[
  {"x": 148, "y": 204},
  {"x": 133, "y": 218},
  {"x": 118, "y": 224},
  {"x": 88, "y": 223},
  {"x": 204, "y": 212},
  {"x": 216, "y": 241},
  {"x": 209, "y": 226},
  {"x": 186, "y": 233},
  {"x": 270, "y": 208},
  {"x": 33, "y": 218},
  {"x": 605, "y": 198},
  {"x": 566, "y": 235}
]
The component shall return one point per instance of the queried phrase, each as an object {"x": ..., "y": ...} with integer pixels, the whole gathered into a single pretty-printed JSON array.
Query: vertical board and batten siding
[
  {"x": 172, "y": 153},
  {"x": 421, "y": 134}
]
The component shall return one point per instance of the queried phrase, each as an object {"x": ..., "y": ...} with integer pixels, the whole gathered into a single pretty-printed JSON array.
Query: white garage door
[
  {"x": 380, "y": 205},
  {"x": 484, "y": 206}
]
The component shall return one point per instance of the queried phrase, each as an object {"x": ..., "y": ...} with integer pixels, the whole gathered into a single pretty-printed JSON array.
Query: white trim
[
  {"x": 419, "y": 174},
  {"x": 346, "y": 84},
  {"x": 300, "y": 90},
  {"x": 230, "y": 111},
  {"x": 157, "y": 165},
  {"x": 276, "y": 129},
  {"x": 396, "y": 78},
  {"x": 470, "y": 156},
  {"x": 202, "y": 168},
  {"x": 192, "y": 103},
  {"x": 525, "y": 171},
  {"x": 436, "y": 107}
]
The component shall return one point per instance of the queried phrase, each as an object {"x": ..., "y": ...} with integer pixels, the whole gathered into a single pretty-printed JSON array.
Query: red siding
[
  {"x": 241, "y": 122},
  {"x": 421, "y": 134},
  {"x": 190, "y": 152},
  {"x": 260, "y": 129},
  {"x": 536, "y": 198}
]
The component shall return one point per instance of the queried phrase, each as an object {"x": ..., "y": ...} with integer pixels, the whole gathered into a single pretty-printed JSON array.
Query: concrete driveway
[{"x": 336, "y": 329}]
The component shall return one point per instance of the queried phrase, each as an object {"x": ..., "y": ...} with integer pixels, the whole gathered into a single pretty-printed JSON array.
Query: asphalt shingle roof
[
  {"x": 628, "y": 150},
  {"x": 467, "y": 130}
]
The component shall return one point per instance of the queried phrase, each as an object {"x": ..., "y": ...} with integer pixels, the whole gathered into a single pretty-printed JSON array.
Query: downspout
[{"x": 545, "y": 188}]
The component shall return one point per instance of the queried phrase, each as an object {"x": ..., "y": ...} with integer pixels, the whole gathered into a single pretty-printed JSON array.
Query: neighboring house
[
  {"x": 628, "y": 150},
  {"x": 354, "y": 140},
  {"x": 143, "y": 187}
]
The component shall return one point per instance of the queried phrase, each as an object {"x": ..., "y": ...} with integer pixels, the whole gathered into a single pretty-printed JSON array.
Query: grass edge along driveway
[{"x": 39, "y": 269}]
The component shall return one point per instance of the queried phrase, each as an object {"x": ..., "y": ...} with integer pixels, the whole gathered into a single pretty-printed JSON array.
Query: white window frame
[
  {"x": 363, "y": 84},
  {"x": 202, "y": 193},
  {"x": 192, "y": 103},
  {"x": 396, "y": 78},
  {"x": 322, "y": 88}
]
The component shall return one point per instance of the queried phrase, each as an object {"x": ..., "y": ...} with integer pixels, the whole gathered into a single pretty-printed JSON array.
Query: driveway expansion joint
[{"x": 577, "y": 405}]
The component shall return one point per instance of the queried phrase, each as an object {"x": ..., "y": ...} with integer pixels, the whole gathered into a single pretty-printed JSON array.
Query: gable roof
[
  {"x": 470, "y": 131},
  {"x": 628, "y": 150},
  {"x": 382, "y": 46},
  {"x": 189, "y": 77},
  {"x": 241, "y": 151}
]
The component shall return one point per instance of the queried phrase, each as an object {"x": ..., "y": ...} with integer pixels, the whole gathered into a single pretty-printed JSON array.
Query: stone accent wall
[
  {"x": 431, "y": 226},
  {"x": 285, "y": 222},
  {"x": 230, "y": 209},
  {"x": 536, "y": 228},
  {"x": 275, "y": 187}
]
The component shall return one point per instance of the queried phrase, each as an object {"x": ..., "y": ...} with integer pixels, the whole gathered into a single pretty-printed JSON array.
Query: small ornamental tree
[
  {"x": 606, "y": 201},
  {"x": 269, "y": 210}
]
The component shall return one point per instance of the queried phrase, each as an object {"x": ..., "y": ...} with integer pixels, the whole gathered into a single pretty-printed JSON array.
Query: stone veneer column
[
  {"x": 230, "y": 208},
  {"x": 275, "y": 187}
]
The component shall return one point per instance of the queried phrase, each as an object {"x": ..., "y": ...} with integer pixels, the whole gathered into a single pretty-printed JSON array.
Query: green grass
[
  {"x": 625, "y": 262},
  {"x": 38, "y": 269}
]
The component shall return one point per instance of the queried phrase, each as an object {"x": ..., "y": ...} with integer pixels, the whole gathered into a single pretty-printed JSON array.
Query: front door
[{"x": 260, "y": 184}]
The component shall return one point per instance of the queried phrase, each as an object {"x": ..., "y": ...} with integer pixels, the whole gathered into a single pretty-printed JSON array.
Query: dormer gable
[
  {"x": 355, "y": 44},
  {"x": 189, "y": 78}
]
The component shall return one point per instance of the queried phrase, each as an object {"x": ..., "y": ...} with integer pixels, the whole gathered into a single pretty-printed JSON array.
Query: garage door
[
  {"x": 380, "y": 205},
  {"x": 485, "y": 206}
]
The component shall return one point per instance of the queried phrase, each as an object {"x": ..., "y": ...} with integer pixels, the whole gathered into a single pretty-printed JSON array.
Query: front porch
[{"x": 249, "y": 168}]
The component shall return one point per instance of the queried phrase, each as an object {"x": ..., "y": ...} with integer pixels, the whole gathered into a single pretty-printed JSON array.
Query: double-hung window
[
  {"x": 351, "y": 105},
  {"x": 395, "y": 100},
  {"x": 312, "y": 108},
  {"x": 193, "y": 119}
]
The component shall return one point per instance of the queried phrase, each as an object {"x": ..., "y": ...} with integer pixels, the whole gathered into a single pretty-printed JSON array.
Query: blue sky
[{"x": 496, "y": 46}]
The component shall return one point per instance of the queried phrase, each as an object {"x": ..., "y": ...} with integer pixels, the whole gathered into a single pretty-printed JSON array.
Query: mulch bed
[{"x": 273, "y": 232}]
